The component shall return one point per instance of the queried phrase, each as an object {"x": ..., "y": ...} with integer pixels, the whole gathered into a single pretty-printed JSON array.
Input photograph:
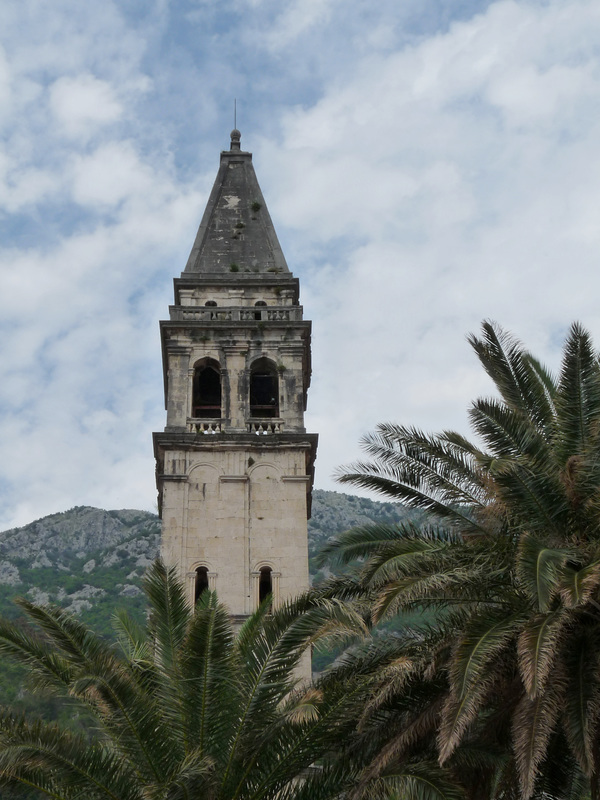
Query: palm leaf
[
  {"x": 533, "y": 723},
  {"x": 577, "y": 586},
  {"x": 170, "y": 612},
  {"x": 367, "y": 540},
  {"x": 523, "y": 384},
  {"x": 540, "y": 570},
  {"x": 537, "y": 648},
  {"x": 582, "y": 699},
  {"x": 62, "y": 764},
  {"x": 422, "y": 781},
  {"x": 508, "y": 433},
  {"x": 578, "y": 396},
  {"x": 471, "y": 676},
  {"x": 209, "y": 679},
  {"x": 438, "y": 474}
]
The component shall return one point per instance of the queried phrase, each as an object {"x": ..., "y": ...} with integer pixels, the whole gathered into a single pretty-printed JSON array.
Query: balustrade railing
[
  {"x": 259, "y": 427},
  {"x": 237, "y": 314},
  {"x": 264, "y": 427},
  {"x": 204, "y": 426}
]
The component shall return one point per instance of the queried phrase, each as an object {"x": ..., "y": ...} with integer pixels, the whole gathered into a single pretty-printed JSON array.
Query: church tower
[{"x": 234, "y": 463}]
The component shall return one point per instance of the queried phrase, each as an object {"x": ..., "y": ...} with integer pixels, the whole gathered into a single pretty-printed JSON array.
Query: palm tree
[
  {"x": 507, "y": 571},
  {"x": 186, "y": 708}
]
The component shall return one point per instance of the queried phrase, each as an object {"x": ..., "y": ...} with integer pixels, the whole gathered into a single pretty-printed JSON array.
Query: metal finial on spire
[
  {"x": 235, "y": 139},
  {"x": 235, "y": 134}
]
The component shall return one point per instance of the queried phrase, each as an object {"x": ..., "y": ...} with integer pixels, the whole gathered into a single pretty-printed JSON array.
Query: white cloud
[
  {"x": 5, "y": 86},
  {"x": 82, "y": 103},
  {"x": 424, "y": 172},
  {"x": 459, "y": 179},
  {"x": 110, "y": 174},
  {"x": 296, "y": 18}
]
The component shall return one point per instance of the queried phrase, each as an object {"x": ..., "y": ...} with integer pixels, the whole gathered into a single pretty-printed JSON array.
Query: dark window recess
[
  {"x": 201, "y": 582},
  {"x": 265, "y": 584},
  {"x": 264, "y": 392},
  {"x": 210, "y": 304},
  {"x": 207, "y": 392},
  {"x": 258, "y": 314}
]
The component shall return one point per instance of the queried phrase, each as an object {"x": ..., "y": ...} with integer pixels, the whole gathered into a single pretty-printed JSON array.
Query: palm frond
[
  {"x": 209, "y": 679},
  {"x": 169, "y": 612},
  {"x": 536, "y": 498},
  {"x": 76, "y": 642},
  {"x": 62, "y": 764},
  {"x": 578, "y": 585},
  {"x": 24, "y": 645},
  {"x": 538, "y": 646},
  {"x": 533, "y": 723},
  {"x": 420, "y": 781},
  {"x": 508, "y": 433},
  {"x": 540, "y": 570},
  {"x": 582, "y": 699},
  {"x": 578, "y": 396},
  {"x": 524, "y": 385},
  {"x": 366, "y": 540},
  {"x": 472, "y": 676},
  {"x": 438, "y": 474}
]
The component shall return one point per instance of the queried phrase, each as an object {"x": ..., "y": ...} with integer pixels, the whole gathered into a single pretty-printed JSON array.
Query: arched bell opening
[
  {"x": 210, "y": 304},
  {"x": 201, "y": 584},
  {"x": 258, "y": 314},
  {"x": 264, "y": 389},
  {"x": 265, "y": 583},
  {"x": 206, "y": 395}
]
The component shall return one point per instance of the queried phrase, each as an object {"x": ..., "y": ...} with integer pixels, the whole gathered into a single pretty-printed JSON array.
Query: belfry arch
[
  {"x": 264, "y": 389},
  {"x": 206, "y": 389}
]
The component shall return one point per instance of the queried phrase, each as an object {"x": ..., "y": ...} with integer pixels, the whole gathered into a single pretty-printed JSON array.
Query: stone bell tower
[{"x": 234, "y": 463}]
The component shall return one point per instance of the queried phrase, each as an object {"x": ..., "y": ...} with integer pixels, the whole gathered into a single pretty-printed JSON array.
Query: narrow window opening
[
  {"x": 201, "y": 582},
  {"x": 264, "y": 391},
  {"x": 265, "y": 583},
  {"x": 207, "y": 391},
  {"x": 258, "y": 314}
]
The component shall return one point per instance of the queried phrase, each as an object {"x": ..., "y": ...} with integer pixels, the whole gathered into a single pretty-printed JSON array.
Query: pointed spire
[{"x": 236, "y": 233}]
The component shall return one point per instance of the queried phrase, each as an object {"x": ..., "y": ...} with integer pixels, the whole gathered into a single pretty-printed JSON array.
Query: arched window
[
  {"x": 201, "y": 582},
  {"x": 265, "y": 583},
  {"x": 264, "y": 389},
  {"x": 210, "y": 304},
  {"x": 206, "y": 395},
  {"x": 258, "y": 312}
]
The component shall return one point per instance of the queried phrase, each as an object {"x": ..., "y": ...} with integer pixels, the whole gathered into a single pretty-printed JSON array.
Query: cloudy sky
[{"x": 427, "y": 165}]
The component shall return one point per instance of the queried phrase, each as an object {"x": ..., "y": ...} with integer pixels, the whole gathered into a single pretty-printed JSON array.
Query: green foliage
[
  {"x": 508, "y": 567},
  {"x": 184, "y": 707}
]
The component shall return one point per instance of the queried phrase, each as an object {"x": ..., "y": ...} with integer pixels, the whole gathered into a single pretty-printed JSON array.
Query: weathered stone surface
[
  {"x": 236, "y": 227},
  {"x": 9, "y": 574},
  {"x": 81, "y": 600},
  {"x": 129, "y": 590},
  {"x": 38, "y": 596}
]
